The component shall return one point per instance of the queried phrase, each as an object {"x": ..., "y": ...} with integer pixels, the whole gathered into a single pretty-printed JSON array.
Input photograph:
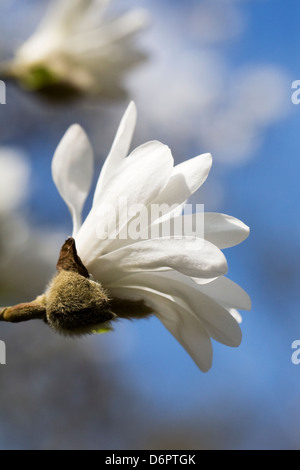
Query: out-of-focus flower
[
  {"x": 178, "y": 278},
  {"x": 14, "y": 179},
  {"x": 76, "y": 48},
  {"x": 14, "y": 187},
  {"x": 19, "y": 243}
]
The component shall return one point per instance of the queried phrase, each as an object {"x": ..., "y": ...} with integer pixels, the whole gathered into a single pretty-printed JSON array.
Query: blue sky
[{"x": 259, "y": 186}]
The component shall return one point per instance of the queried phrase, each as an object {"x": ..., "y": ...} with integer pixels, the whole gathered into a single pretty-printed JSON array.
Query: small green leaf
[
  {"x": 39, "y": 77},
  {"x": 101, "y": 330}
]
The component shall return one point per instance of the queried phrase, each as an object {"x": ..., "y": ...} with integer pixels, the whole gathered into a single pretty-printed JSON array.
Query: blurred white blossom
[
  {"x": 21, "y": 244},
  {"x": 76, "y": 46},
  {"x": 14, "y": 179}
]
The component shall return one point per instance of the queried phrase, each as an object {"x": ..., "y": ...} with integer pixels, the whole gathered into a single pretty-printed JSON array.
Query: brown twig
[{"x": 25, "y": 311}]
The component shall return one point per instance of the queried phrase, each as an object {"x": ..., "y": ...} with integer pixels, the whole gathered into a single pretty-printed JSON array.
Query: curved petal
[
  {"x": 130, "y": 186},
  {"x": 236, "y": 315},
  {"x": 223, "y": 230},
  {"x": 189, "y": 332},
  {"x": 186, "y": 178},
  {"x": 119, "y": 149},
  {"x": 217, "y": 320},
  {"x": 186, "y": 328},
  {"x": 72, "y": 171},
  {"x": 191, "y": 256},
  {"x": 227, "y": 293}
]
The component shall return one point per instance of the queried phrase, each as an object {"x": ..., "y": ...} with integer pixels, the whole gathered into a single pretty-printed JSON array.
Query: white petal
[
  {"x": 119, "y": 149},
  {"x": 194, "y": 257},
  {"x": 186, "y": 178},
  {"x": 72, "y": 171},
  {"x": 99, "y": 41},
  {"x": 181, "y": 324},
  {"x": 61, "y": 19},
  {"x": 65, "y": 15},
  {"x": 219, "y": 323},
  {"x": 227, "y": 293},
  {"x": 236, "y": 315},
  {"x": 223, "y": 230},
  {"x": 128, "y": 24},
  {"x": 190, "y": 333},
  {"x": 139, "y": 180}
]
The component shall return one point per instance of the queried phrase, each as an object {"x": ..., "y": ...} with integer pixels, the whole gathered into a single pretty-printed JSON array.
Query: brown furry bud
[
  {"x": 76, "y": 305},
  {"x": 73, "y": 303}
]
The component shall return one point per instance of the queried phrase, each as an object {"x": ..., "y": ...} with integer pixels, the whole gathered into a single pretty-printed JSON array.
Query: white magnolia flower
[
  {"x": 180, "y": 279},
  {"x": 75, "y": 46}
]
